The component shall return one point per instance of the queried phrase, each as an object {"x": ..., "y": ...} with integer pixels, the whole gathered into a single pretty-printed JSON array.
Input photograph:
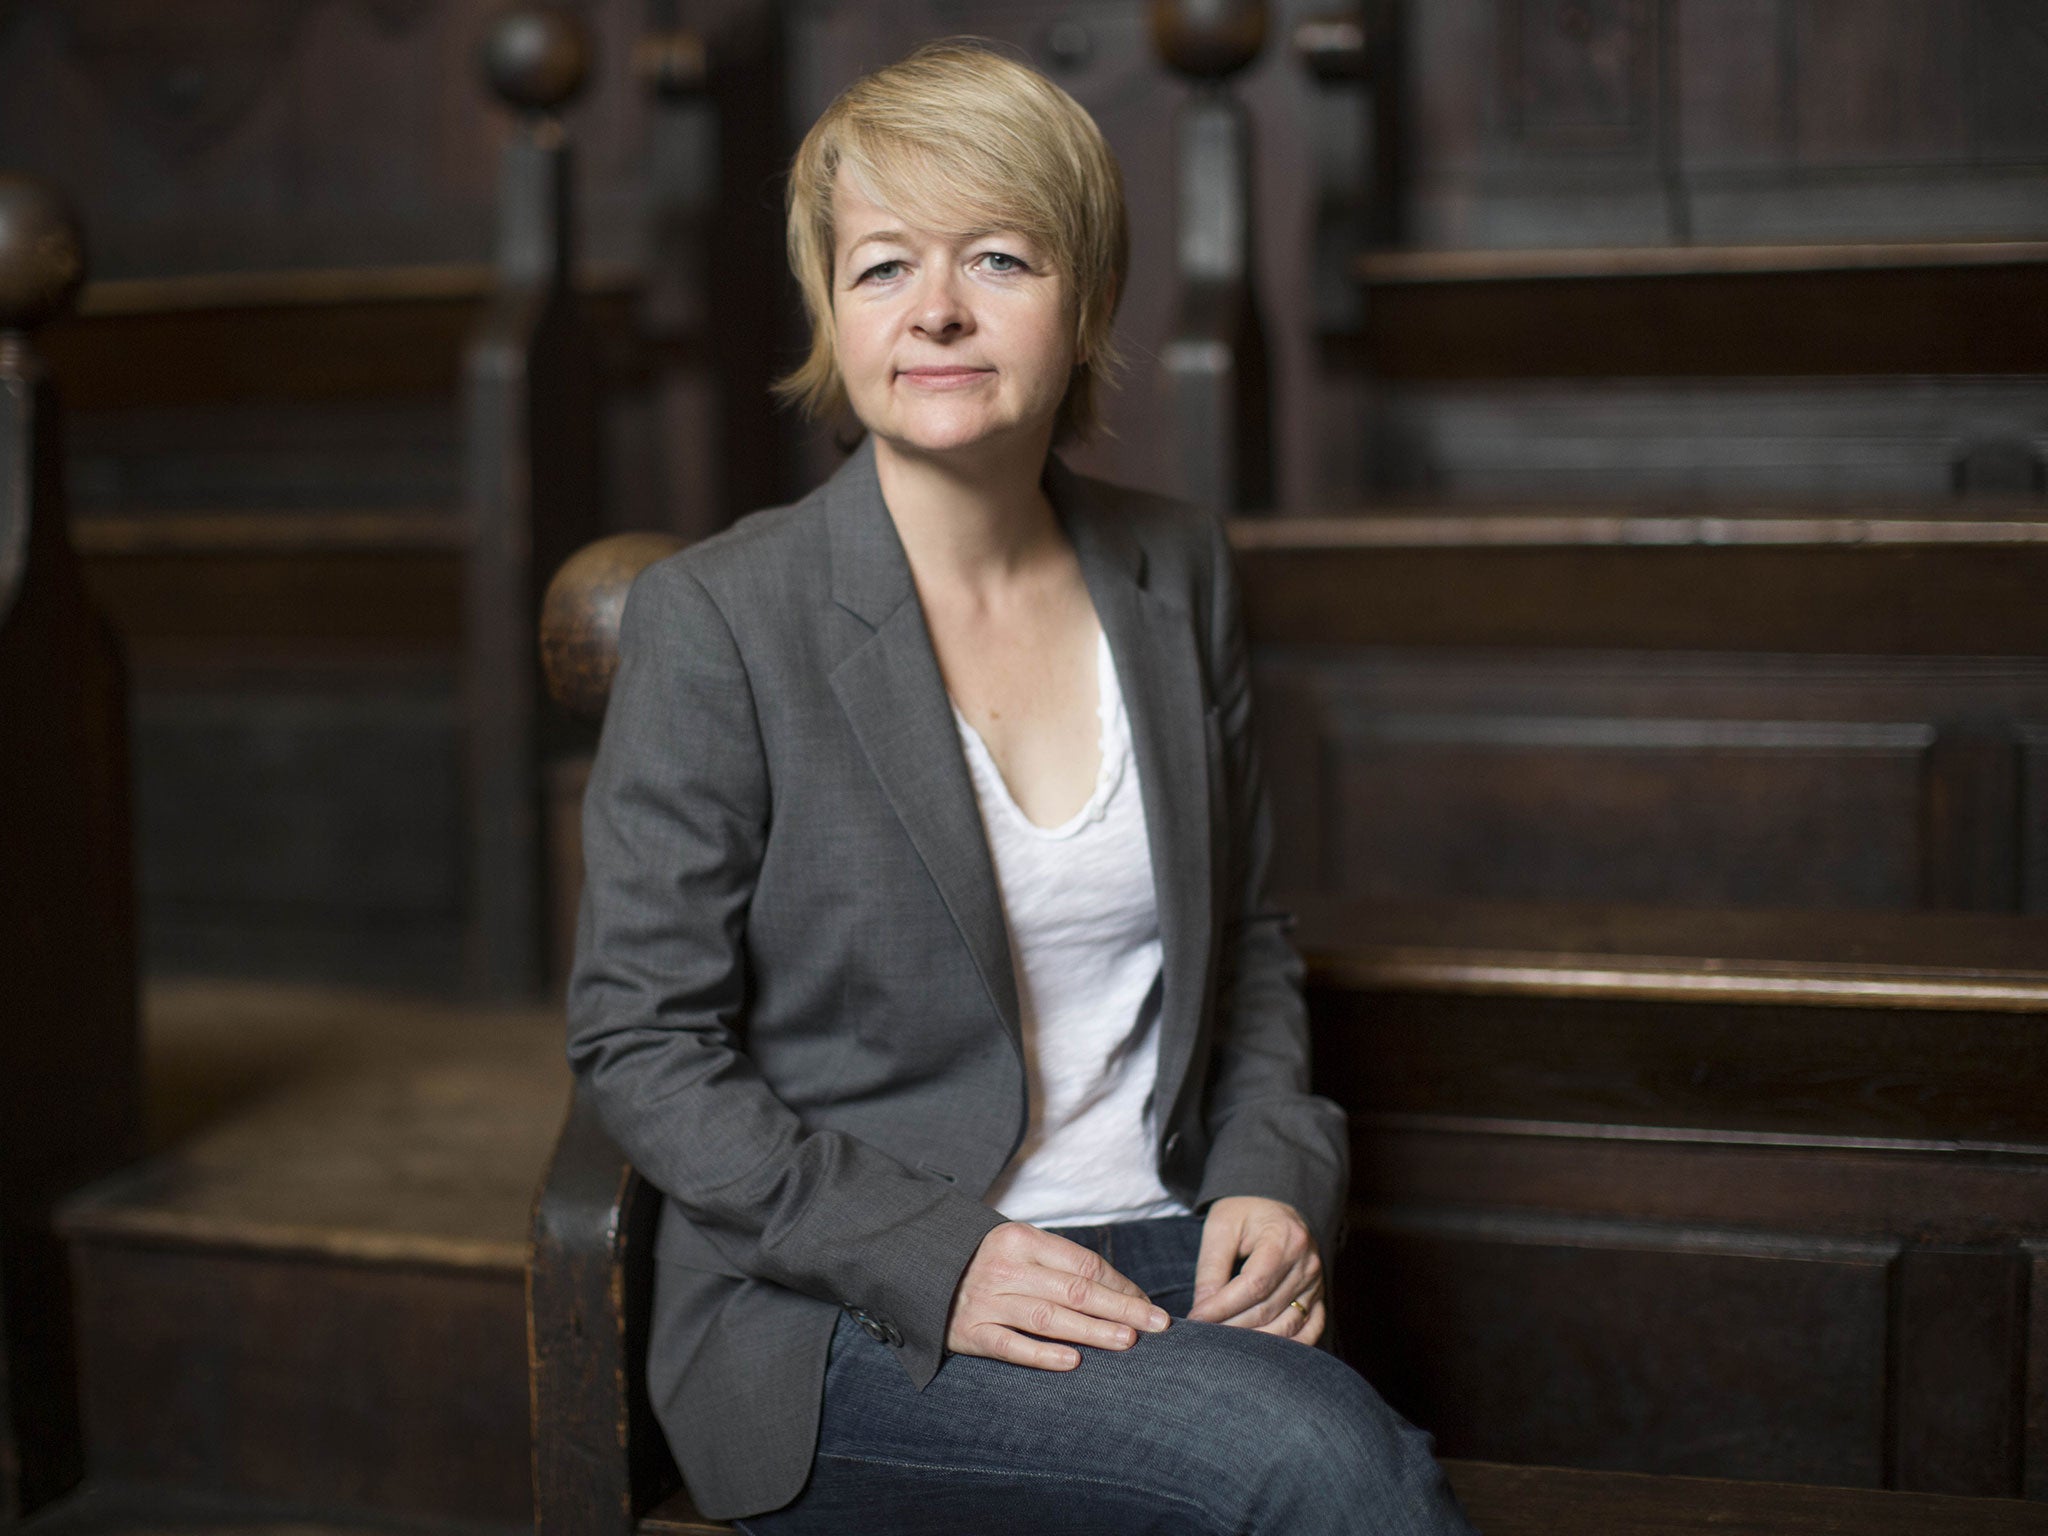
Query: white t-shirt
[{"x": 1083, "y": 921}]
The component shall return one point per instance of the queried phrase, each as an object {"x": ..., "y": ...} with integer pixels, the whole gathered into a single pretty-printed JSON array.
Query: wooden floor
[{"x": 345, "y": 1122}]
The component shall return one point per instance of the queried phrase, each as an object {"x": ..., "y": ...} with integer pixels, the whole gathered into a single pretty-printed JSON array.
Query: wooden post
[
  {"x": 1215, "y": 362},
  {"x": 70, "y": 1059},
  {"x": 531, "y": 492}
]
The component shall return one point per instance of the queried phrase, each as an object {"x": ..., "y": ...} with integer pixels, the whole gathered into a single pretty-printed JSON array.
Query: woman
[{"x": 924, "y": 916}]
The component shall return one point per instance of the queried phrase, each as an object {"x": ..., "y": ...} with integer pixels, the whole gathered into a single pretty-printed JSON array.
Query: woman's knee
[{"x": 1311, "y": 1447}]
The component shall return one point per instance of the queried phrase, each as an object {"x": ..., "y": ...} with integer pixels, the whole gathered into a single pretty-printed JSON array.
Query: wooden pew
[
  {"x": 600, "y": 1464},
  {"x": 1680, "y": 914},
  {"x": 70, "y": 1057},
  {"x": 318, "y": 501}
]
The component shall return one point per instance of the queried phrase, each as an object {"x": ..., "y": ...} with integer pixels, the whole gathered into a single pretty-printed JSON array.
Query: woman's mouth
[{"x": 943, "y": 378}]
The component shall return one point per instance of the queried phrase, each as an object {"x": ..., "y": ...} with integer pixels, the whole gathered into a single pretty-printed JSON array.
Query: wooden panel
[
  {"x": 1923, "y": 1193},
  {"x": 185, "y": 604},
  {"x": 311, "y": 352},
  {"x": 1910, "y": 319},
  {"x": 2034, "y": 1405},
  {"x": 1959, "y": 1366},
  {"x": 1543, "y": 1501},
  {"x": 1570, "y": 1342},
  {"x": 1726, "y": 443},
  {"x": 1774, "y": 1070},
  {"x": 1845, "y": 585},
  {"x": 1890, "y": 81},
  {"x": 370, "y": 1389},
  {"x": 2010, "y": 43},
  {"x": 1581, "y": 75},
  {"x": 299, "y": 820},
  {"x": 1784, "y": 814},
  {"x": 1673, "y": 777}
]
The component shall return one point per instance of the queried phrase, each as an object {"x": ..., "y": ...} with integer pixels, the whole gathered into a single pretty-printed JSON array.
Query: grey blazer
[{"x": 793, "y": 1001}]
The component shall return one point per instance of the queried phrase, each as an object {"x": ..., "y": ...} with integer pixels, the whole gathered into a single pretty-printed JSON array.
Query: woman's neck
[{"x": 974, "y": 524}]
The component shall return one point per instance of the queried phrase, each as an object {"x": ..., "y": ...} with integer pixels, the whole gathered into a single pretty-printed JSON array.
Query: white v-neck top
[{"x": 1083, "y": 919}]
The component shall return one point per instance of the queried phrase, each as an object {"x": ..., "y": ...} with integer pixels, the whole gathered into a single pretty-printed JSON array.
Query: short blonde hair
[{"x": 960, "y": 139}]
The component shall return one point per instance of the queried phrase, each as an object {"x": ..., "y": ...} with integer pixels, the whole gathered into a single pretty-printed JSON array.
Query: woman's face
[{"x": 946, "y": 345}]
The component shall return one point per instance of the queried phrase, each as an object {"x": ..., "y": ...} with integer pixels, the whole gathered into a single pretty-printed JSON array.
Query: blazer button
[
  {"x": 878, "y": 1331},
  {"x": 1172, "y": 1147}
]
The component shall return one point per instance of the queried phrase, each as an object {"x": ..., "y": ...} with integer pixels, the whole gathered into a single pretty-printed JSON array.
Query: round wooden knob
[
  {"x": 1208, "y": 38},
  {"x": 579, "y": 617},
  {"x": 537, "y": 56},
  {"x": 42, "y": 258}
]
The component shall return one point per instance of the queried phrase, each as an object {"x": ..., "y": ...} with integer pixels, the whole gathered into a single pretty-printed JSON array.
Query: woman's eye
[
  {"x": 882, "y": 271},
  {"x": 1002, "y": 261}
]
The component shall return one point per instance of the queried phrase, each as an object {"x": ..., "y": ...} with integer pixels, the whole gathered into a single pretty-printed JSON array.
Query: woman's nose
[{"x": 941, "y": 311}]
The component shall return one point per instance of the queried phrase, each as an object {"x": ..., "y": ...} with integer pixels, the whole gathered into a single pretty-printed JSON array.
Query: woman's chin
[{"x": 952, "y": 438}]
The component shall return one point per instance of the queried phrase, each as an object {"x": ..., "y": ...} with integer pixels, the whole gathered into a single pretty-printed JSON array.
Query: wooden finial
[
  {"x": 579, "y": 617},
  {"x": 1208, "y": 39},
  {"x": 42, "y": 257},
  {"x": 537, "y": 56}
]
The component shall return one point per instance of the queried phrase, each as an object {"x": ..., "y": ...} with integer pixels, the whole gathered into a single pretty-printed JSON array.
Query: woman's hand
[
  {"x": 1025, "y": 1288},
  {"x": 1281, "y": 1268}
]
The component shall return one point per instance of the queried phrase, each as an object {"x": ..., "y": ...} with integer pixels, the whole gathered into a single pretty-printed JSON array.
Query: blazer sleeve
[
  {"x": 676, "y": 820},
  {"x": 1268, "y": 1134}
]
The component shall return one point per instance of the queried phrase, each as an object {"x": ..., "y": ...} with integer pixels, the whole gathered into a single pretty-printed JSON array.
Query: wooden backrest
[
  {"x": 70, "y": 1058},
  {"x": 1829, "y": 710}
]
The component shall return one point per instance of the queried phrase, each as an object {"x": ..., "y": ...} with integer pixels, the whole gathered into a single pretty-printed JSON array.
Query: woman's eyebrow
[{"x": 883, "y": 236}]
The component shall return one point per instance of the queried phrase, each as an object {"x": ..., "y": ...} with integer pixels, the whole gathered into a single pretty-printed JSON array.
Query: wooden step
[
  {"x": 1558, "y": 1501},
  {"x": 314, "y": 1290},
  {"x": 1726, "y": 1193},
  {"x": 104, "y": 1509},
  {"x": 313, "y": 334},
  {"x": 1960, "y": 308}
]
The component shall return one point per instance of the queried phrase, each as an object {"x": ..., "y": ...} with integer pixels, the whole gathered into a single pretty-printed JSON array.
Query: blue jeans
[{"x": 1200, "y": 1429}]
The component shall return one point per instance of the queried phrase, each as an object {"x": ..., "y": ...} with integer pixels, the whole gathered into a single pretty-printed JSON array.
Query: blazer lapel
[
  {"x": 1152, "y": 639},
  {"x": 893, "y": 695}
]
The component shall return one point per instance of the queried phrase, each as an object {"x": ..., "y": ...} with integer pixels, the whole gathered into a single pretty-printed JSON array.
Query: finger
[
  {"x": 1297, "y": 1280},
  {"x": 1304, "y": 1327},
  {"x": 1079, "y": 1294},
  {"x": 1213, "y": 1265},
  {"x": 1050, "y": 1320},
  {"x": 1006, "y": 1344},
  {"x": 1264, "y": 1269}
]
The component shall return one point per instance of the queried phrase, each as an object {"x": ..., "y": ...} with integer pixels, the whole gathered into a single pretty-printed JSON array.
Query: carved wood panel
[
  {"x": 1571, "y": 1342},
  {"x": 1673, "y": 779},
  {"x": 1590, "y": 122}
]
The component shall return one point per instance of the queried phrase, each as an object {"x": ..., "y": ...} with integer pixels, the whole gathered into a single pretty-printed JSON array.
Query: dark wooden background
[{"x": 1655, "y": 572}]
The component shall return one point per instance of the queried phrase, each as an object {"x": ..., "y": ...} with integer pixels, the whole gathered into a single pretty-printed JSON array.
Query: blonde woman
[{"x": 925, "y": 962}]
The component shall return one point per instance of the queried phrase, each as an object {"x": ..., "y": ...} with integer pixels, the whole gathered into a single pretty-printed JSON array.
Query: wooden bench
[{"x": 1492, "y": 1090}]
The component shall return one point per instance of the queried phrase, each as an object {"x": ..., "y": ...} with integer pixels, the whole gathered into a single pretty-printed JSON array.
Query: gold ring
[{"x": 1296, "y": 1304}]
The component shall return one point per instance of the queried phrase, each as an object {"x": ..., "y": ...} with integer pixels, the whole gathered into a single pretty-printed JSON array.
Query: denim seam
[{"x": 1065, "y": 1477}]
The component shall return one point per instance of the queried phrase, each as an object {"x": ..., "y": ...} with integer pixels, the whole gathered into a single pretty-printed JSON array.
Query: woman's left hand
[{"x": 1281, "y": 1268}]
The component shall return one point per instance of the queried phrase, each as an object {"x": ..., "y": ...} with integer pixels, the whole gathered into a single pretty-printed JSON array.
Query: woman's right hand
[{"x": 1026, "y": 1289}]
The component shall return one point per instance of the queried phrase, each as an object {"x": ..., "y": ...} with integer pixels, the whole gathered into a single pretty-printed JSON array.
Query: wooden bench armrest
[{"x": 599, "y": 1459}]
